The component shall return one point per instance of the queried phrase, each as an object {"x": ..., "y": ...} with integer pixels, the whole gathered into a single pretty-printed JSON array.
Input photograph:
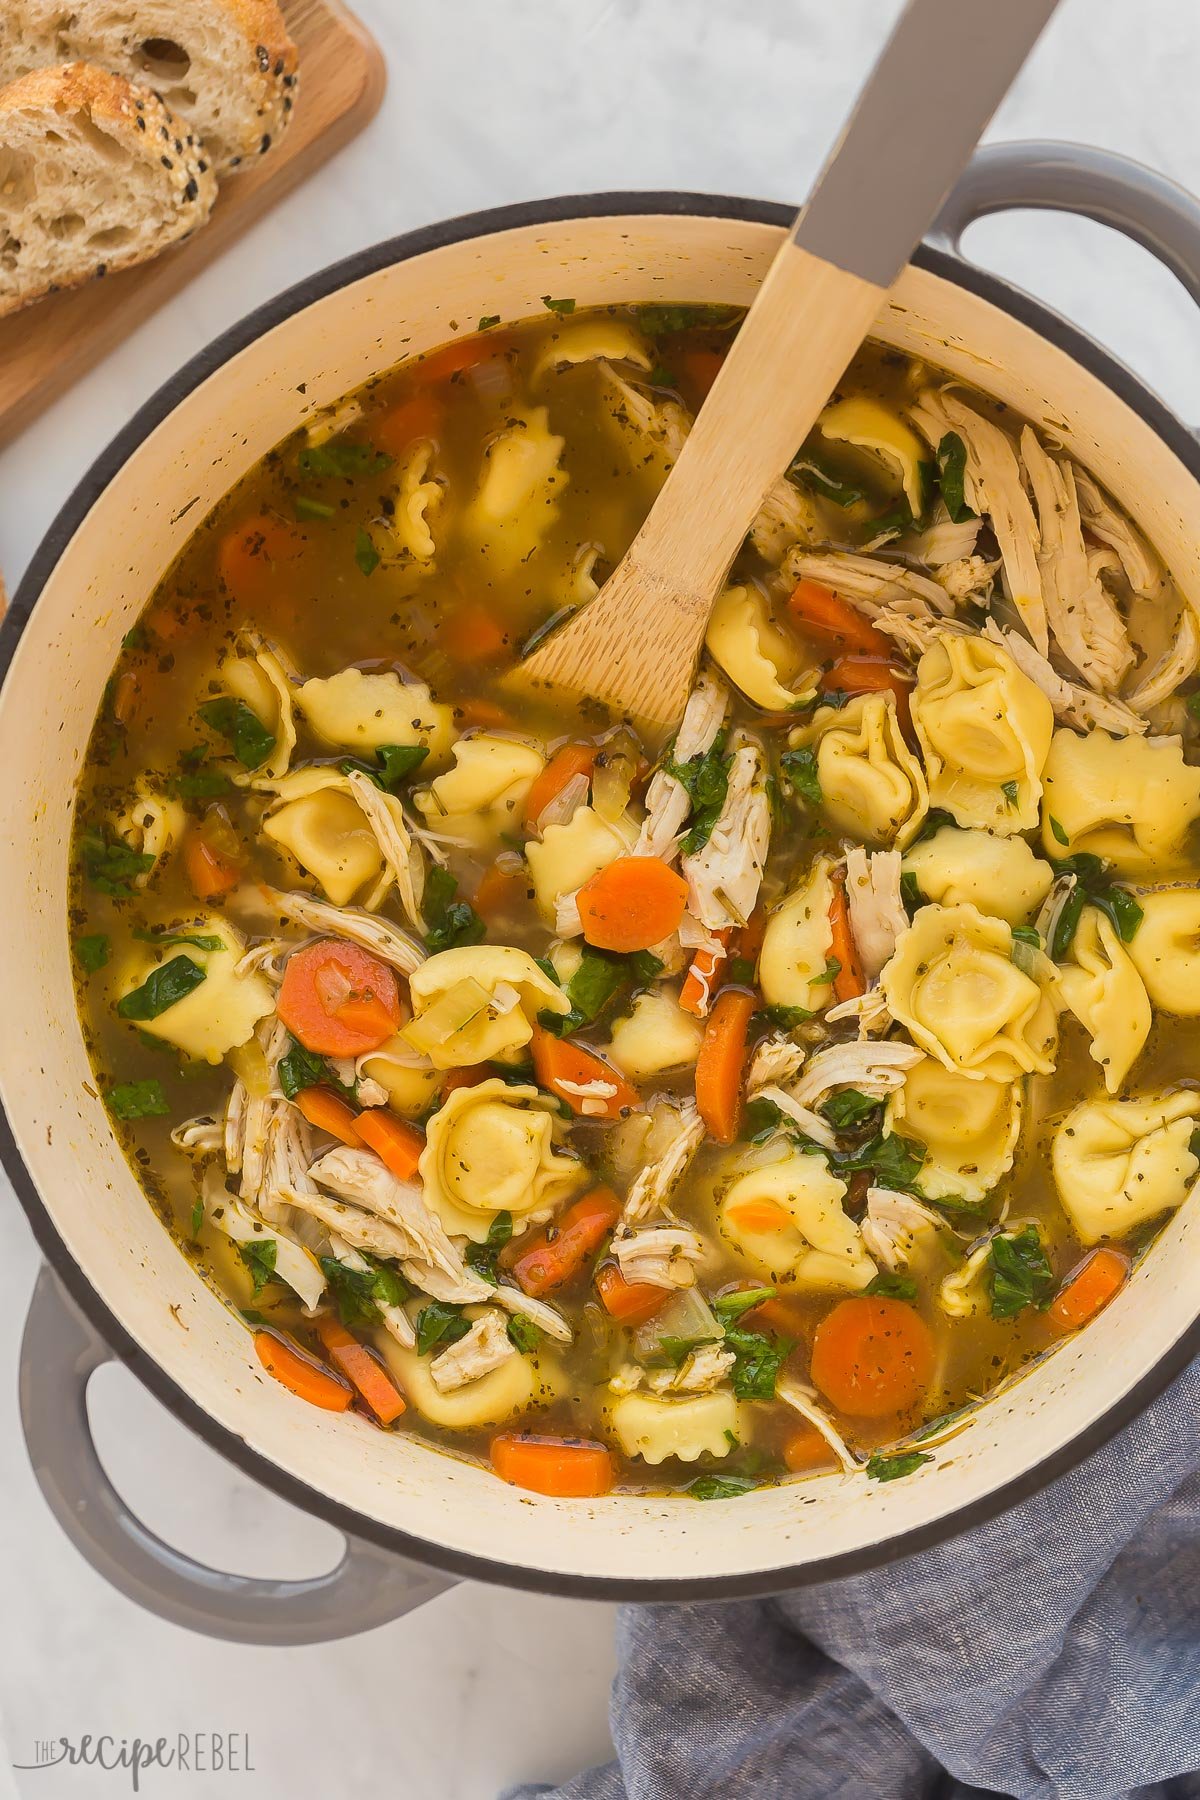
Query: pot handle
[
  {"x": 60, "y": 1352},
  {"x": 1075, "y": 178}
]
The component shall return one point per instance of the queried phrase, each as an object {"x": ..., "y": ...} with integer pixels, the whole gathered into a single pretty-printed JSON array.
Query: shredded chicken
[
  {"x": 233, "y": 1132},
  {"x": 386, "y": 941},
  {"x": 868, "y": 1011},
  {"x": 266, "y": 959},
  {"x": 877, "y": 915},
  {"x": 667, "y": 803},
  {"x": 875, "y": 1069},
  {"x": 993, "y": 486},
  {"x": 892, "y": 1224},
  {"x": 389, "y": 827},
  {"x": 665, "y": 422},
  {"x": 360, "y": 1177},
  {"x": 483, "y": 1349},
  {"x": 777, "y": 1059},
  {"x": 658, "y": 1179},
  {"x": 803, "y": 1399},
  {"x": 1072, "y": 704},
  {"x": 396, "y": 1321},
  {"x": 547, "y": 1318},
  {"x": 663, "y": 1256},
  {"x": 287, "y": 1153},
  {"x": 202, "y": 1136},
  {"x": 593, "y": 1096},
  {"x": 705, "y": 1369},
  {"x": 1174, "y": 666},
  {"x": 362, "y": 1229},
  {"x": 811, "y": 1124},
  {"x": 1142, "y": 569},
  {"x": 916, "y": 629},
  {"x": 786, "y": 517},
  {"x": 943, "y": 542},
  {"x": 1083, "y": 619},
  {"x": 725, "y": 874},
  {"x": 869, "y": 581},
  {"x": 970, "y": 578}
]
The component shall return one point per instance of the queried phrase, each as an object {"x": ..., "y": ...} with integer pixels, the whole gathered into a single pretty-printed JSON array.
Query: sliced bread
[
  {"x": 228, "y": 67},
  {"x": 95, "y": 174}
]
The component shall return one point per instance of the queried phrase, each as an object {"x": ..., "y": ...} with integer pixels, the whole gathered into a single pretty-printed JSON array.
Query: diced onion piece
[
  {"x": 613, "y": 776},
  {"x": 250, "y": 1066},
  {"x": 448, "y": 1015},
  {"x": 687, "y": 1316}
]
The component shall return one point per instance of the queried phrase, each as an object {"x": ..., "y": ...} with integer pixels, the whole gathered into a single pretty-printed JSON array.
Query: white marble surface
[{"x": 492, "y": 101}]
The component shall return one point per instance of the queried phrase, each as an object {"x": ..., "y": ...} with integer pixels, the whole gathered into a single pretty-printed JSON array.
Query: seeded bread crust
[
  {"x": 95, "y": 175},
  {"x": 228, "y": 67}
]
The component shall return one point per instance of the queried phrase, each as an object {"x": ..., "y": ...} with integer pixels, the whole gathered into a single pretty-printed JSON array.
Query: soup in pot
[{"x": 633, "y": 1109}]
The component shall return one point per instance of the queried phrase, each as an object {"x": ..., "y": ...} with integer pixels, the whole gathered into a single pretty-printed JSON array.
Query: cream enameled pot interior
[{"x": 93, "y": 595}]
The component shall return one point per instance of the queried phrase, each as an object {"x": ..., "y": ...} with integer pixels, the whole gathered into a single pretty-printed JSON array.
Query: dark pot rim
[{"x": 289, "y": 1487}]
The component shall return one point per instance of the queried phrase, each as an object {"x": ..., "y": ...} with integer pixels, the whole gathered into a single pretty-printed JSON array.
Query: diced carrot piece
[
  {"x": 419, "y": 415},
  {"x": 719, "y": 1065},
  {"x": 302, "y": 1375},
  {"x": 805, "y": 1448},
  {"x": 250, "y": 556},
  {"x": 473, "y": 634},
  {"x": 819, "y": 612},
  {"x": 699, "y": 369},
  {"x": 210, "y": 874},
  {"x": 872, "y": 1356},
  {"x": 566, "y": 1468},
  {"x": 631, "y": 1302},
  {"x": 1088, "y": 1289},
  {"x": 704, "y": 978},
  {"x": 469, "y": 1075},
  {"x": 329, "y": 1112},
  {"x": 635, "y": 902},
  {"x": 549, "y": 1261},
  {"x": 561, "y": 1066},
  {"x": 393, "y": 1140},
  {"x": 571, "y": 760},
  {"x": 502, "y": 887},
  {"x": 362, "y": 1368},
  {"x": 474, "y": 709},
  {"x": 869, "y": 675},
  {"x": 459, "y": 355},
  {"x": 339, "y": 1000},
  {"x": 780, "y": 1314},
  {"x": 849, "y": 981}
]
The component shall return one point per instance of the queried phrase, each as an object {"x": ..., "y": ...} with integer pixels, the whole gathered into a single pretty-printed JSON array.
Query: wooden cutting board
[{"x": 49, "y": 345}]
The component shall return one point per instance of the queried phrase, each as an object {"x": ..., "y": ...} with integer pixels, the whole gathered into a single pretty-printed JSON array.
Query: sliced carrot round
[
  {"x": 250, "y": 556},
  {"x": 872, "y": 1356},
  {"x": 806, "y": 1448},
  {"x": 634, "y": 903},
  {"x": 566, "y": 1468},
  {"x": 417, "y": 416},
  {"x": 339, "y": 1000},
  {"x": 302, "y": 1375}
]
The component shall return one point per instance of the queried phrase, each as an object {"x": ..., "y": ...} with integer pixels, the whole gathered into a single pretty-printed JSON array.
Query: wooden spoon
[{"x": 942, "y": 74}]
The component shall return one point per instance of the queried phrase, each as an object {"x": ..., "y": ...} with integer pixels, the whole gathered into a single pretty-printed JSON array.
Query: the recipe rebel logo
[{"x": 187, "y": 1753}]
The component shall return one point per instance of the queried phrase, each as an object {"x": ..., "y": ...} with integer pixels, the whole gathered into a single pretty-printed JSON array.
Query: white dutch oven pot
[{"x": 414, "y": 1518}]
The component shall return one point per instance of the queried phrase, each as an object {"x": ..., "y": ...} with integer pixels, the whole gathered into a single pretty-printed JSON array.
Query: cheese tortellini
[
  {"x": 355, "y": 710},
  {"x": 419, "y": 495},
  {"x": 409, "y": 1080},
  {"x": 152, "y": 824},
  {"x": 221, "y": 1011},
  {"x": 490, "y": 1149},
  {"x": 797, "y": 943},
  {"x": 1131, "y": 800},
  {"x": 516, "y": 502},
  {"x": 655, "y": 1035},
  {"x": 484, "y": 793},
  {"x": 261, "y": 681},
  {"x": 999, "y": 875},
  {"x": 517, "y": 1384},
  {"x": 984, "y": 731},
  {"x": 758, "y": 656},
  {"x": 476, "y": 1003},
  {"x": 591, "y": 340},
  {"x": 568, "y": 855},
  {"x": 872, "y": 786},
  {"x": 656, "y": 1426},
  {"x": 969, "y": 1129},
  {"x": 953, "y": 984},
  {"x": 1120, "y": 1163},
  {"x": 326, "y": 831},
  {"x": 1104, "y": 990},
  {"x": 787, "y": 1219},
  {"x": 1165, "y": 950}
]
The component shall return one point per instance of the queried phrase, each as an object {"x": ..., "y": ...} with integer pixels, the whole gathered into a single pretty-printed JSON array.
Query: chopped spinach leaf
[
  {"x": 302, "y": 1068},
  {"x": 600, "y": 977},
  {"x": 741, "y": 971},
  {"x": 932, "y": 823},
  {"x": 850, "y": 1108},
  {"x": 439, "y": 1323},
  {"x": 761, "y": 1119},
  {"x": 720, "y": 1487},
  {"x": 394, "y": 764},
  {"x": 661, "y": 377},
  {"x": 1123, "y": 910},
  {"x": 199, "y": 941},
  {"x": 729, "y": 1307},
  {"x": 365, "y": 554},
  {"x": 816, "y": 475},
  {"x": 952, "y": 469},
  {"x": 93, "y": 951},
  {"x": 259, "y": 1257},
  {"x": 1092, "y": 887},
  {"x": 1062, "y": 836},
  {"x": 800, "y": 770},
  {"x": 482, "y": 1257},
  {"x": 673, "y": 1352},
  {"x": 786, "y": 1018},
  {"x": 242, "y": 728},
  {"x": 200, "y": 784},
  {"x": 882, "y": 1467},
  {"x": 524, "y": 1333},
  {"x": 135, "y": 638},
  {"x": 137, "y": 1100},
  {"x": 1028, "y": 934},
  {"x": 660, "y": 320},
  {"x": 564, "y": 307},
  {"x": 910, "y": 893},
  {"x": 338, "y": 457},
  {"x": 757, "y": 1361},
  {"x": 890, "y": 1286},
  {"x": 1193, "y": 705},
  {"x": 360, "y": 1293},
  {"x": 705, "y": 780},
  {"x": 451, "y": 922},
  {"x": 896, "y": 1160},
  {"x": 163, "y": 988},
  {"x": 1019, "y": 1273},
  {"x": 646, "y": 967},
  {"x": 112, "y": 867}
]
